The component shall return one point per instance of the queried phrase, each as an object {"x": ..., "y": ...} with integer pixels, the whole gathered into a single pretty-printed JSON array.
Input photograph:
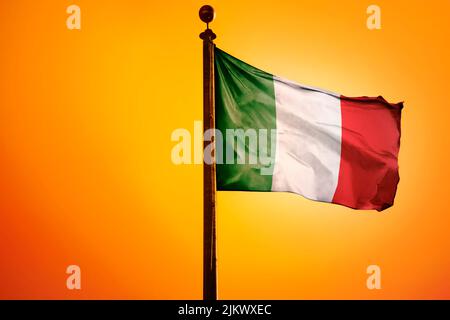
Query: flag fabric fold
[{"x": 282, "y": 136}]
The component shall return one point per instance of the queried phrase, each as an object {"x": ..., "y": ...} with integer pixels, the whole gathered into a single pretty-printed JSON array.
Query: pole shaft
[{"x": 209, "y": 174}]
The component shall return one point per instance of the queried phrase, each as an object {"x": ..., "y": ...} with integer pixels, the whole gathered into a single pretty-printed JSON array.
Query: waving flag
[{"x": 321, "y": 145}]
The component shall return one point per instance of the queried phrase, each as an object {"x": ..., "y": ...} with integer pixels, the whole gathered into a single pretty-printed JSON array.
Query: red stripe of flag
[{"x": 368, "y": 174}]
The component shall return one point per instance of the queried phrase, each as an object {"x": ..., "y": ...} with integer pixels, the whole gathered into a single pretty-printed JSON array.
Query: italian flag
[{"x": 327, "y": 147}]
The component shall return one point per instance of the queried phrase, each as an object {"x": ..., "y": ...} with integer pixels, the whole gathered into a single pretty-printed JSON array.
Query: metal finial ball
[{"x": 207, "y": 14}]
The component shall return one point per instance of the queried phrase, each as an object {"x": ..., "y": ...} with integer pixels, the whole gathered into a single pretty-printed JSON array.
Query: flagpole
[{"x": 207, "y": 14}]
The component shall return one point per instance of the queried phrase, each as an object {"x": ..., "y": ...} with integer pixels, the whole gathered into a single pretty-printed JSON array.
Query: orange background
[{"x": 86, "y": 176}]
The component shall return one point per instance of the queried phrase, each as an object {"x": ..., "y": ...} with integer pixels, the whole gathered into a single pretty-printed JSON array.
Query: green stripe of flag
[{"x": 245, "y": 99}]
